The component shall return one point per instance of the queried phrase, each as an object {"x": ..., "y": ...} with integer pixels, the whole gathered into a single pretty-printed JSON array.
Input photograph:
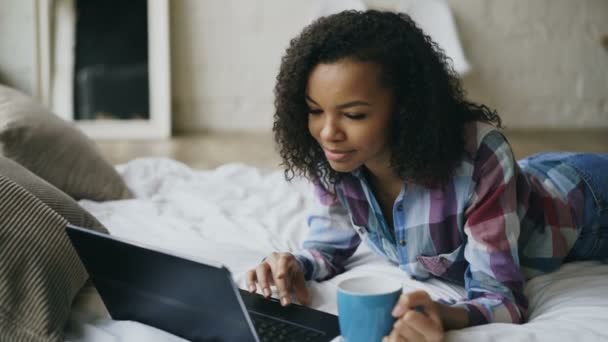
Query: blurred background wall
[
  {"x": 17, "y": 44},
  {"x": 540, "y": 63}
]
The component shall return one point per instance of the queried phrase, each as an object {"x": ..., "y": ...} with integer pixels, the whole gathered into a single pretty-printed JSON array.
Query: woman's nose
[{"x": 331, "y": 130}]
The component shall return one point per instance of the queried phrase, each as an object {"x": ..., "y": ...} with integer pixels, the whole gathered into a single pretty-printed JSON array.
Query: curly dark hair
[{"x": 427, "y": 128}]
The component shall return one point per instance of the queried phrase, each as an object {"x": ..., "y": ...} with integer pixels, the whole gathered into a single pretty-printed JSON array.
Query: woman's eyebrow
[
  {"x": 311, "y": 100},
  {"x": 353, "y": 104},
  {"x": 343, "y": 105}
]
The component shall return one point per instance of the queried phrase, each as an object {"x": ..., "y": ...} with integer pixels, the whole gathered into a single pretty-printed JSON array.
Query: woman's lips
[{"x": 337, "y": 156}]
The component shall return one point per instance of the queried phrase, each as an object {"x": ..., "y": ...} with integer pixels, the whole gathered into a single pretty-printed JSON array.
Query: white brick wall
[
  {"x": 225, "y": 58},
  {"x": 538, "y": 62}
]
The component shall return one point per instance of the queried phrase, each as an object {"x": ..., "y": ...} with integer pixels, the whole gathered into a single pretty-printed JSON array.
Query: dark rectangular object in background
[
  {"x": 113, "y": 92},
  {"x": 111, "y": 58}
]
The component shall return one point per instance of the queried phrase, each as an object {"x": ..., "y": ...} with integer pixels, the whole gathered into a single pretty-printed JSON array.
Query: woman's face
[{"x": 349, "y": 114}]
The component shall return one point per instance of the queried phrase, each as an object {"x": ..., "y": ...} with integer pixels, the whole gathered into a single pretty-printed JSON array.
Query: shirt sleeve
[
  {"x": 331, "y": 239},
  {"x": 493, "y": 279}
]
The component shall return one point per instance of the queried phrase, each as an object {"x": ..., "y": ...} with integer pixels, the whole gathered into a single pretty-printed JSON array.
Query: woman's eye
[
  {"x": 355, "y": 116},
  {"x": 314, "y": 111}
]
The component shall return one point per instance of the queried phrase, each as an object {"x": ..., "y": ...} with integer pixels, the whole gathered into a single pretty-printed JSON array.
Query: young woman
[{"x": 369, "y": 109}]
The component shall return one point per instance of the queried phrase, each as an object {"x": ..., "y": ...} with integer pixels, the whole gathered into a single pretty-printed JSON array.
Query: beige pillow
[
  {"x": 56, "y": 199},
  {"x": 40, "y": 272},
  {"x": 55, "y": 150}
]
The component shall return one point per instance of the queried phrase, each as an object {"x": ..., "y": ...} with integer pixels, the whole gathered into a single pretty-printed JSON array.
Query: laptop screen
[{"x": 193, "y": 300}]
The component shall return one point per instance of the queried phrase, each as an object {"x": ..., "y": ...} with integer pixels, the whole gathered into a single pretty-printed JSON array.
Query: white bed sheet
[{"x": 237, "y": 214}]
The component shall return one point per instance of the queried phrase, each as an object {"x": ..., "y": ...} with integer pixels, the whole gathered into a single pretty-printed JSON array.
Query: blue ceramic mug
[{"x": 364, "y": 307}]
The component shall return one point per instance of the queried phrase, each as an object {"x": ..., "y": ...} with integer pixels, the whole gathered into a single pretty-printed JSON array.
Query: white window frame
[{"x": 158, "y": 126}]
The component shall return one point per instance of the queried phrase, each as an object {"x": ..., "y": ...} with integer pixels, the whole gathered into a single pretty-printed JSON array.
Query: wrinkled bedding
[{"x": 237, "y": 214}]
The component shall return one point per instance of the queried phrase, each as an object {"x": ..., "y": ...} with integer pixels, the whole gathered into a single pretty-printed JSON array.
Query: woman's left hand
[{"x": 418, "y": 319}]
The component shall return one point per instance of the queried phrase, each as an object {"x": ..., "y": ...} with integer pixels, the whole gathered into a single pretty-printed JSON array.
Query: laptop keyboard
[{"x": 271, "y": 330}]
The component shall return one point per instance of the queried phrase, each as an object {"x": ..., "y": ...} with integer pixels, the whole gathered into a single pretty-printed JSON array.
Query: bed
[{"x": 236, "y": 214}]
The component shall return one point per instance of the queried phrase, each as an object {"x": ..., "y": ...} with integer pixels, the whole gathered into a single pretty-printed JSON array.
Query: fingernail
[
  {"x": 420, "y": 309},
  {"x": 267, "y": 292},
  {"x": 397, "y": 311},
  {"x": 251, "y": 288},
  {"x": 285, "y": 301}
]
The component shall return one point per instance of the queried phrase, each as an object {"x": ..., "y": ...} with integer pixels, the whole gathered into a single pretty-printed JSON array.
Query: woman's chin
[{"x": 342, "y": 167}]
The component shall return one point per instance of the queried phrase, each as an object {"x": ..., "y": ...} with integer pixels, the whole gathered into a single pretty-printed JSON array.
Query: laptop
[{"x": 193, "y": 299}]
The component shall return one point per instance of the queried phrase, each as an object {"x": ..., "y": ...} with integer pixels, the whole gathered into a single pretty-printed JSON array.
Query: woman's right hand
[{"x": 283, "y": 271}]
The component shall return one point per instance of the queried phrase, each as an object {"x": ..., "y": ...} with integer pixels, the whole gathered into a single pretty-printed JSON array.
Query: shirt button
[
  {"x": 399, "y": 207},
  {"x": 402, "y": 242}
]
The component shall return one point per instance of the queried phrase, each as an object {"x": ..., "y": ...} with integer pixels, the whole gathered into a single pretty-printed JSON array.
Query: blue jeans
[{"x": 592, "y": 243}]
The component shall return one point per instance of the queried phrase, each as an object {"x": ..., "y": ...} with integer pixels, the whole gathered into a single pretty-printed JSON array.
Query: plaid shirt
[{"x": 493, "y": 225}]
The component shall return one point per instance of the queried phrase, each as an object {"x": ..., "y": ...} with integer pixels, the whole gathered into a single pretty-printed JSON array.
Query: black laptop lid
[{"x": 196, "y": 301}]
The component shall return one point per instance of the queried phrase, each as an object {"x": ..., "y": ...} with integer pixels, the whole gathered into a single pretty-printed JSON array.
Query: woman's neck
[
  {"x": 384, "y": 178},
  {"x": 386, "y": 187}
]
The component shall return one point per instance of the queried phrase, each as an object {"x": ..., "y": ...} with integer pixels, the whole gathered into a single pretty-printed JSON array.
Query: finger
[
  {"x": 406, "y": 332},
  {"x": 409, "y": 301},
  {"x": 432, "y": 312},
  {"x": 419, "y": 301},
  {"x": 392, "y": 339},
  {"x": 282, "y": 279},
  {"x": 429, "y": 308},
  {"x": 251, "y": 280},
  {"x": 394, "y": 336},
  {"x": 299, "y": 287},
  {"x": 264, "y": 274},
  {"x": 422, "y": 324}
]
